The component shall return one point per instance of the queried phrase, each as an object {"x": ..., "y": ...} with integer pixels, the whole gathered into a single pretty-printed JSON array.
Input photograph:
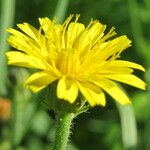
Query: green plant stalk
[
  {"x": 7, "y": 17},
  {"x": 61, "y": 10},
  {"x": 63, "y": 130},
  {"x": 128, "y": 123}
]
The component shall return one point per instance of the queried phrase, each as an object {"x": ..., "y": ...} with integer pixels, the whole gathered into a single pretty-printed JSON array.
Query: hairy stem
[{"x": 63, "y": 131}]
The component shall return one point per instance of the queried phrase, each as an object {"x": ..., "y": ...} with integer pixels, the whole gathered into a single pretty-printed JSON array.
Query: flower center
[{"x": 68, "y": 63}]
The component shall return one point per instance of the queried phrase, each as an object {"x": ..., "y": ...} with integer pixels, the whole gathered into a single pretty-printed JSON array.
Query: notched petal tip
[
  {"x": 9, "y": 57},
  {"x": 10, "y": 30},
  {"x": 126, "y": 103},
  {"x": 125, "y": 37},
  {"x": 102, "y": 104},
  {"x": 67, "y": 91},
  {"x": 144, "y": 87},
  {"x": 142, "y": 68}
]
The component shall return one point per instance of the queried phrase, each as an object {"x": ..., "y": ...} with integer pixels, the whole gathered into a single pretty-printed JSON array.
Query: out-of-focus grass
[
  {"x": 6, "y": 20},
  {"x": 61, "y": 9},
  {"x": 32, "y": 125}
]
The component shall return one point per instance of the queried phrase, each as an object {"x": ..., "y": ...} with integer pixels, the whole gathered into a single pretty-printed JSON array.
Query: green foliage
[{"x": 32, "y": 127}]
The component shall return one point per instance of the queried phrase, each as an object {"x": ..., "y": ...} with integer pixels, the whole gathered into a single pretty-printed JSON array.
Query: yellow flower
[{"x": 80, "y": 59}]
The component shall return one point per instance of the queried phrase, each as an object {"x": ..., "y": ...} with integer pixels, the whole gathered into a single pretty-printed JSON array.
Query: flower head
[{"x": 79, "y": 58}]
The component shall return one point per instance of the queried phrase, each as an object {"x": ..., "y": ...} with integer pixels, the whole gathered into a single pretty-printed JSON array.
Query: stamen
[
  {"x": 77, "y": 18},
  {"x": 109, "y": 34}
]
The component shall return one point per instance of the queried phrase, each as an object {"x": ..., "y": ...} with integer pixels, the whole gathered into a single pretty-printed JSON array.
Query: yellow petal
[
  {"x": 29, "y": 30},
  {"x": 71, "y": 93},
  {"x": 113, "y": 90},
  {"x": 45, "y": 24},
  {"x": 114, "y": 70},
  {"x": 15, "y": 32},
  {"x": 60, "y": 88},
  {"x": 24, "y": 44},
  {"x": 67, "y": 92},
  {"x": 113, "y": 47},
  {"x": 123, "y": 63},
  {"x": 94, "y": 97},
  {"x": 89, "y": 37},
  {"x": 128, "y": 79},
  {"x": 74, "y": 29},
  {"x": 39, "y": 80},
  {"x": 20, "y": 59},
  {"x": 50, "y": 30}
]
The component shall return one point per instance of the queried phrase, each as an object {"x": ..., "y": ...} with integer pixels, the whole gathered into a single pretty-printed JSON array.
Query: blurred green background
[{"x": 29, "y": 125}]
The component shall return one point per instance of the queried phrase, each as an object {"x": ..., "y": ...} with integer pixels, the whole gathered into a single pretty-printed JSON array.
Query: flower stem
[{"x": 63, "y": 130}]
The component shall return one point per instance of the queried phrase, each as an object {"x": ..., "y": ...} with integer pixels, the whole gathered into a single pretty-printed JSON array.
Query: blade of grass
[
  {"x": 61, "y": 10},
  {"x": 7, "y": 17},
  {"x": 128, "y": 123}
]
